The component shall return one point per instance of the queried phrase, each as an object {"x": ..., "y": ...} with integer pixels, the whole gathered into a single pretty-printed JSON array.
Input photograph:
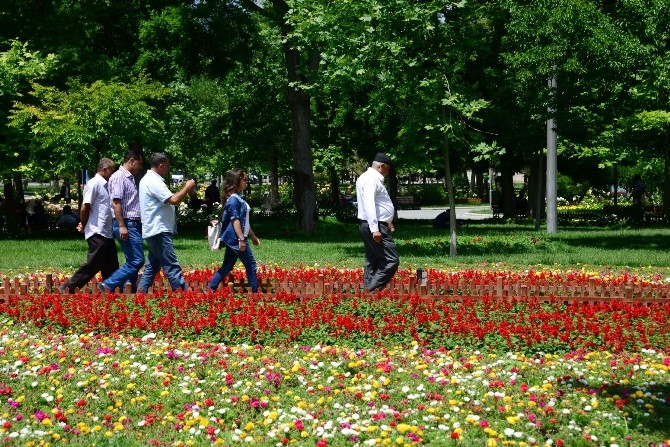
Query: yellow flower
[{"x": 403, "y": 428}]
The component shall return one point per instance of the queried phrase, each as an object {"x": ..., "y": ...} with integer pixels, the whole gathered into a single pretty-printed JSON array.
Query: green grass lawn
[{"x": 480, "y": 244}]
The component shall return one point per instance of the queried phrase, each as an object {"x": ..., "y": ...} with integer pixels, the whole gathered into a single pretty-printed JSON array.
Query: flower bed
[
  {"x": 364, "y": 320},
  {"x": 118, "y": 390},
  {"x": 342, "y": 369}
]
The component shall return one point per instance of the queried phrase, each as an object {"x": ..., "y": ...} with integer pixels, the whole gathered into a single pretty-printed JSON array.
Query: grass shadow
[{"x": 639, "y": 407}]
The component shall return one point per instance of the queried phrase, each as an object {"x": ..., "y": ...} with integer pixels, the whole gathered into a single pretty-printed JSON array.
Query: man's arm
[
  {"x": 83, "y": 217},
  {"x": 178, "y": 197},
  {"x": 118, "y": 215}
]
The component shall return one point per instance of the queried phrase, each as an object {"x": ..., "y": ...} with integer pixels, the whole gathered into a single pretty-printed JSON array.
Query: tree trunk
[
  {"x": 10, "y": 206},
  {"x": 274, "y": 178},
  {"x": 334, "y": 187},
  {"x": 450, "y": 189},
  {"x": 304, "y": 189},
  {"x": 507, "y": 191},
  {"x": 393, "y": 192},
  {"x": 536, "y": 189},
  {"x": 666, "y": 184},
  {"x": 18, "y": 185}
]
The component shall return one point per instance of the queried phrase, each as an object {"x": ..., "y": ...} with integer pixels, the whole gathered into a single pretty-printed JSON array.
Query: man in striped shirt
[{"x": 127, "y": 227}]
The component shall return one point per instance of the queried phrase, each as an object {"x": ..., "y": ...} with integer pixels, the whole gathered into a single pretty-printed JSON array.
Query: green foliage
[
  {"x": 72, "y": 129},
  {"x": 19, "y": 66}
]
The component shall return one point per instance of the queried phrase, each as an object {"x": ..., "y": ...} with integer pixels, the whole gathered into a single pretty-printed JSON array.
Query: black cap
[{"x": 383, "y": 158}]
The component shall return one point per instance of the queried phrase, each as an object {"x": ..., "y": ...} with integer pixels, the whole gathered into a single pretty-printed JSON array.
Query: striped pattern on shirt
[{"x": 122, "y": 186}]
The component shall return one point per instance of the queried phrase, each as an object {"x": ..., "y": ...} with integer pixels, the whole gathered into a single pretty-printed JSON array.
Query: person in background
[
  {"x": 96, "y": 224},
  {"x": 639, "y": 190},
  {"x": 194, "y": 202},
  {"x": 237, "y": 231},
  {"x": 159, "y": 223},
  {"x": 38, "y": 219},
  {"x": 67, "y": 218},
  {"x": 522, "y": 204},
  {"x": 212, "y": 195},
  {"x": 127, "y": 225},
  {"x": 65, "y": 191},
  {"x": 375, "y": 224}
]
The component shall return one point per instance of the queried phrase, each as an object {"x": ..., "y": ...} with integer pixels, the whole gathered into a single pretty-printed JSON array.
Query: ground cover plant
[{"x": 514, "y": 244}]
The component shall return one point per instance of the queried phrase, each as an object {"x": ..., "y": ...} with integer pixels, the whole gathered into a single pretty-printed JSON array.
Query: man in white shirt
[
  {"x": 159, "y": 223},
  {"x": 375, "y": 217},
  {"x": 96, "y": 224}
]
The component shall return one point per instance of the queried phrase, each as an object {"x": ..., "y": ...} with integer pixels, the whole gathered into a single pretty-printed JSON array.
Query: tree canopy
[{"x": 297, "y": 86}]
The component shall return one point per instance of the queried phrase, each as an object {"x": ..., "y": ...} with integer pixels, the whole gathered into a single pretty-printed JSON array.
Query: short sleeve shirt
[
  {"x": 158, "y": 216},
  {"x": 100, "y": 215},
  {"x": 122, "y": 187}
]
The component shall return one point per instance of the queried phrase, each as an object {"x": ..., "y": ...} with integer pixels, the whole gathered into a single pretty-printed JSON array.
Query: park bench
[
  {"x": 582, "y": 216},
  {"x": 495, "y": 210},
  {"x": 407, "y": 203}
]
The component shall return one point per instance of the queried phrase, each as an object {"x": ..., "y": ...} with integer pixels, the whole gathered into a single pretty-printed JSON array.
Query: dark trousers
[
  {"x": 101, "y": 258},
  {"x": 381, "y": 258}
]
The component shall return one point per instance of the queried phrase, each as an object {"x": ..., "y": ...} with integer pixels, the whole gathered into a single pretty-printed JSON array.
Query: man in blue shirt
[{"x": 159, "y": 223}]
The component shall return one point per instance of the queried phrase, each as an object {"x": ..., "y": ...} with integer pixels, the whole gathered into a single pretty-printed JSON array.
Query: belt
[
  {"x": 365, "y": 221},
  {"x": 132, "y": 220}
]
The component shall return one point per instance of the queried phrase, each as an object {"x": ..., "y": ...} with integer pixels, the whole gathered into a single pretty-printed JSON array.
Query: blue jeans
[
  {"x": 133, "y": 249},
  {"x": 162, "y": 255},
  {"x": 229, "y": 258}
]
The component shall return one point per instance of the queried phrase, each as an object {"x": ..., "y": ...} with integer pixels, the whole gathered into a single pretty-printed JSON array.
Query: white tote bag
[
  {"x": 214, "y": 231},
  {"x": 214, "y": 235}
]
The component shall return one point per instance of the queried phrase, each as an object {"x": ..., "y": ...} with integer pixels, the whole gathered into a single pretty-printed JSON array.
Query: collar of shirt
[
  {"x": 377, "y": 174},
  {"x": 152, "y": 172},
  {"x": 125, "y": 172},
  {"x": 102, "y": 180}
]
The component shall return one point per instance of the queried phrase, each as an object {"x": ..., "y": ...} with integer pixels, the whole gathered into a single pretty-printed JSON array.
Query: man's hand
[
  {"x": 123, "y": 233},
  {"x": 80, "y": 227},
  {"x": 391, "y": 228},
  {"x": 377, "y": 236},
  {"x": 190, "y": 184}
]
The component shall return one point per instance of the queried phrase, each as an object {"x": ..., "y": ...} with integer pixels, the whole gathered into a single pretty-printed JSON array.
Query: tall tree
[
  {"x": 408, "y": 59},
  {"x": 301, "y": 60},
  {"x": 589, "y": 49},
  {"x": 19, "y": 67}
]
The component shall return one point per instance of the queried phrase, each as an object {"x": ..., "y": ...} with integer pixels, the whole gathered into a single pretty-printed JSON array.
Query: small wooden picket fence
[{"x": 501, "y": 288}]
